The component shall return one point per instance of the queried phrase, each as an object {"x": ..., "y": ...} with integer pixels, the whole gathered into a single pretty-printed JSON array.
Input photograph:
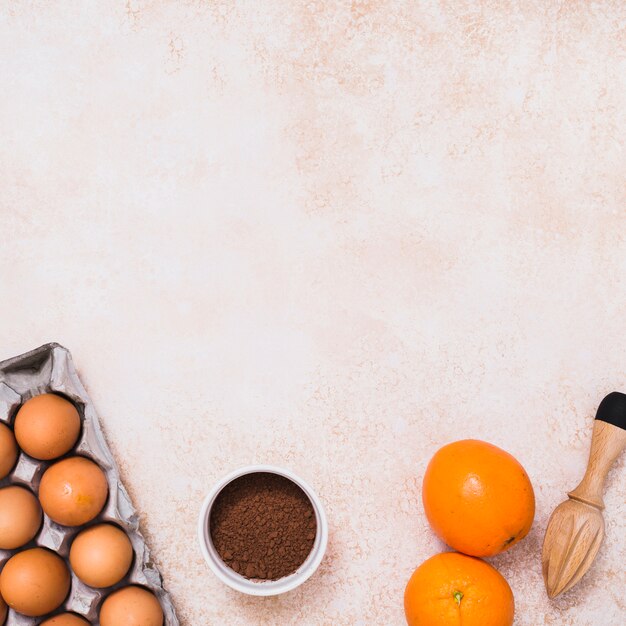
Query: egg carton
[{"x": 50, "y": 369}]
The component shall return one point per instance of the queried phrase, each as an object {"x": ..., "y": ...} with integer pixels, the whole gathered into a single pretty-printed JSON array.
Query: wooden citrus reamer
[{"x": 576, "y": 528}]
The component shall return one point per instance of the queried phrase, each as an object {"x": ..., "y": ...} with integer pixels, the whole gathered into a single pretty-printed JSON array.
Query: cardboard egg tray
[{"x": 50, "y": 369}]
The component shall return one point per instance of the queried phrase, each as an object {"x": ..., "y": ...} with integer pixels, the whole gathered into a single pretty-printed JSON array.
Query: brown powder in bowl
[{"x": 263, "y": 526}]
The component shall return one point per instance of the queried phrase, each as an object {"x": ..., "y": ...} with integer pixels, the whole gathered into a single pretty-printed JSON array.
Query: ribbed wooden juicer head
[{"x": 576, "y": 527}]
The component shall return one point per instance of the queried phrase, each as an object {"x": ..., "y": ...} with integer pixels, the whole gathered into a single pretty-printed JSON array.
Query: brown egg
[
  {"x": 131, "y": 606},
  {"x": 8, "y": 451},
  {"x": 73, "y": 491},
  {"x": 20, "y": 517},
  {"x": 101, "y": 555},
  {"x": 47, "y": 426},
  {"x": 3, "y": 611},
  {"x": 35, "y": 582},
  {"x": 66, "y": 619}
]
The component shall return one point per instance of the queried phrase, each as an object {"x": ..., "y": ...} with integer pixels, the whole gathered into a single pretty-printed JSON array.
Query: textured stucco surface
[{"x": 332, "y": 236}]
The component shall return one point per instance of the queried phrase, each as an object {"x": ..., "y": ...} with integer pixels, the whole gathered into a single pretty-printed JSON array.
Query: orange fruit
[
  {"x": 478, "y": 498},
  {"x": 451, "y": 589}
]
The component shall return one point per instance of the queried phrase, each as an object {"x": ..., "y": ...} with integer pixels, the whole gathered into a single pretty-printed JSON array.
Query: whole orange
[
  {"x": 478, "y": 498},
  {"x": 450, "y": 589}
]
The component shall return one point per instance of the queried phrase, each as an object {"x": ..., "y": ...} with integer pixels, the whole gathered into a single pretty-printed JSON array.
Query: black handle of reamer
[{"x": 613, "y": 409}]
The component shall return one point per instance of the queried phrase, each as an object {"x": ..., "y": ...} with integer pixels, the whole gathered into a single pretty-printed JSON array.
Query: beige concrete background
[{"x": 332, "y": 236}]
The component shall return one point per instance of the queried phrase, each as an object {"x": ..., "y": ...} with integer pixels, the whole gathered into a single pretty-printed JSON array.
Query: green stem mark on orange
[{"x": 458, "y": 596}]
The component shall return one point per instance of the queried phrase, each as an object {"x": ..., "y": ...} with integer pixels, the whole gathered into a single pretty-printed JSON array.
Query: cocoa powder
[{"x": 263, "y": 526}]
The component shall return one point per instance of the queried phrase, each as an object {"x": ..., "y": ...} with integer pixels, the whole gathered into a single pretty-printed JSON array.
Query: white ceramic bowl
[{"x": 269, "y": 587}]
